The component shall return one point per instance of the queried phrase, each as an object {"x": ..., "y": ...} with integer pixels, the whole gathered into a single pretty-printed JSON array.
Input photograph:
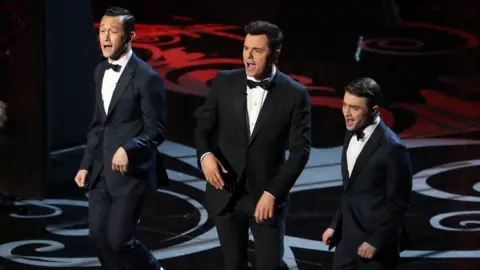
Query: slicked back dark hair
[
  {"x": 273, "y": 32},
  {"x": 128, "y": 19},
  {"x": 367, "y": 88}
]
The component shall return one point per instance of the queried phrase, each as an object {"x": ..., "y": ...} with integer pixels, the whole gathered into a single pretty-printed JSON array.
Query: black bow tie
[
  {"x": 265, "y": 84},
  {"x": 359, "y": 134},
  {"x": 114, "y": 67}
]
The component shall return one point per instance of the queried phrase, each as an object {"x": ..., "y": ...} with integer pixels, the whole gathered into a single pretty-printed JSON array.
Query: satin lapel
[
  {"x": 372, "y": 144},
  {"x": 239, "y": 101},
  {"x": 345, "y": 176},
  {"x": 98, "y": 90},
  {"x": 123, "y": 82},
  {"x": 274, "y": 95}
]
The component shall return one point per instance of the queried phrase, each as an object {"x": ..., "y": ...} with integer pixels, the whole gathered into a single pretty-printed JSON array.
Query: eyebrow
[
  {"x": 354, "y": 106},
  {"x": 245, "y": 46}
]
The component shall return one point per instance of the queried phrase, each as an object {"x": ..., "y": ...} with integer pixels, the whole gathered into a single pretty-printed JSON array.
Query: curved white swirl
[
  {"x": 50, "y": 204},
  {"x": 421, "y": 186},
  {"x": 476, "y": 187},
  {"x": 205, "y": 241},
  {"x": 322, "y": 172},
  {"x": 435, "y": 221},
  {"x": 55, "y": 210},
  {"x": 202, "y": 211},
  {"x": 50, "y": 246}
]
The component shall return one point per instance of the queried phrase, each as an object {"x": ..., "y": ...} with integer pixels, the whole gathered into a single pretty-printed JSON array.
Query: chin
[{"x": 351, "y": 128}]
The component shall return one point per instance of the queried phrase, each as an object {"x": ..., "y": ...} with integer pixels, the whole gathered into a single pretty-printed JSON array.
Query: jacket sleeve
[
  {"x": 399, "y": 187},
  {"x": 207, "y": 119},
  {"x": 154, "y": 110},
  {"x": 93, "y": 138}
]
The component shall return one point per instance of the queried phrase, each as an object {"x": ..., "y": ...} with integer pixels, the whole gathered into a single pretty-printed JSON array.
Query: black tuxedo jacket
[
  {"x": 377, "y": 194},
  {"x": 283, "y": 123},
  {"x": 135, "y": 120}
]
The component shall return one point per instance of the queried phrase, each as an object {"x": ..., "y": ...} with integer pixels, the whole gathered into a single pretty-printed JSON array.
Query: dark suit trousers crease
[
  {"x": 232, "y": 228},
  {"x": 346, "y": 258},
  {"x": 112, "y": 223}
]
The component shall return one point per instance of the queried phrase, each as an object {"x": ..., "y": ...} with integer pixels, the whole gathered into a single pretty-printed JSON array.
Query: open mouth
[
  {"x": 107, "y": 47},
  {"x": 250, "y": 64}
]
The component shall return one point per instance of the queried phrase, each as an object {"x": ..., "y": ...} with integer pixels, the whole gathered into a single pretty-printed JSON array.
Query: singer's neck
[{"x": 121, "y": 54}]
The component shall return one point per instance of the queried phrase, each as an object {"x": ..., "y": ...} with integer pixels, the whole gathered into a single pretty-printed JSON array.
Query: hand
[
  {"x": 366, "y": 250},
  {"x": 3, "y": 113},
  {"x": 120, "y": 161},
  {"x": 265, "y": 207},
  {"x": 327, "y": 236},
  {"x": 80, "y": 178},
  {"x": 210, "y": 170}
]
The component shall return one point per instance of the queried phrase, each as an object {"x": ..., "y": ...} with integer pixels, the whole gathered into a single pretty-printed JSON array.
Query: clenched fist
[
  {"x": 80, "y": 178},
  {"x": 120, "y": 161}
]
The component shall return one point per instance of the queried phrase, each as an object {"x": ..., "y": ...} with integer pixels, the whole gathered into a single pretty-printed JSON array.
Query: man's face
[
  {"x": 356, "y": 112},
  {"x": 257, "y": 55},
  {"x": 112, "y": 37}
]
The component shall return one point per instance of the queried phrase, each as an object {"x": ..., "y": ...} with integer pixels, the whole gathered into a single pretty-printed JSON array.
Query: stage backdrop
[
  {"x": 71, "y": 54},
  {"x": 49, "y": 53},
  {"x": 22, "y": 140}
]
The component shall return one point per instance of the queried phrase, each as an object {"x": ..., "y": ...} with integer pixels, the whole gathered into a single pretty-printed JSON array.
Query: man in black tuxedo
[
  {"x": 377, "y": 180},
  {"x": 256, "y": 113},
  {"x": 121, "y": 153}
]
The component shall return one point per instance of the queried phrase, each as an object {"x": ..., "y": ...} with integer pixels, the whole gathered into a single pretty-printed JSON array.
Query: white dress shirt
[
  {"x": 355, "y": 146},
  {"x": 110, "y": 79},
  {"x": 255, "y": 99}
]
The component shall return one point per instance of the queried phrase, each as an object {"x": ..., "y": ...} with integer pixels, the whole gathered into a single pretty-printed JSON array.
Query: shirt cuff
[
  {"x": 270, "y": 194},
  {"x": 204, "y": 155}
]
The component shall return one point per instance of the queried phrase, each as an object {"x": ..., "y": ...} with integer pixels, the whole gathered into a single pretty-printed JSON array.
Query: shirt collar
[
  {"x": 123, "y": 60},
  {"x": 368, "y": 131}
]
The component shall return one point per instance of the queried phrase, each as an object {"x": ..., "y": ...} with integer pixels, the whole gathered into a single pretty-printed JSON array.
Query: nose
[
  {"x": 346, "y": 111},
  {"x": 106, "y": 36}
]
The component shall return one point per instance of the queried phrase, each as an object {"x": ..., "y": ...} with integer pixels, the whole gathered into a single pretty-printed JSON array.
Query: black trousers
[
  {"x": 112, "y": 223},
  {"x": 232, "y": 228}
]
